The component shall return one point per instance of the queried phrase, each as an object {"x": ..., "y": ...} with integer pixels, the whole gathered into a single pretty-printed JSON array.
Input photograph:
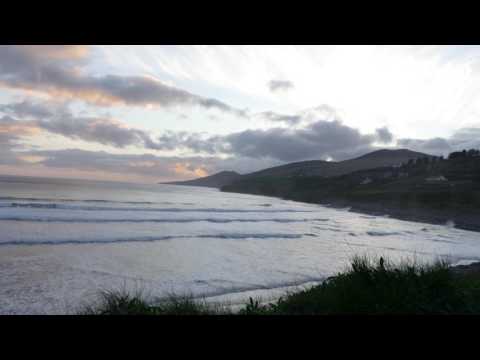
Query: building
[
  {"x": 366, "y": 181},
  {"x": 436, "y": 179}
]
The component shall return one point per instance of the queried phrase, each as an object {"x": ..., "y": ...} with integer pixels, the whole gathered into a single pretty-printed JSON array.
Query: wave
[
  {"x": 444, "y": 241},
  {"x": 329, "y": 228},
  {"x": 13, "y": 198},
  {"x": 238, "y": 289},
  {"x": 450, "y": 224},
  {"x": 125, "y": 208},
  {"x": 99, "y": 201},
  {"x": 184, "y": 220},
  {"x": 151, "y": 239},
  {"x": 381, "y": 233}
]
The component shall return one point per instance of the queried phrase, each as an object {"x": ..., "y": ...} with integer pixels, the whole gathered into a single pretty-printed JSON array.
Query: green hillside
[{"x": 428, "y": 189}]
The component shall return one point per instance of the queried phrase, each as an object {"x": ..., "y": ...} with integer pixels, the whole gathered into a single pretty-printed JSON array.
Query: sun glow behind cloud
[{"x": 187, "y": 169}]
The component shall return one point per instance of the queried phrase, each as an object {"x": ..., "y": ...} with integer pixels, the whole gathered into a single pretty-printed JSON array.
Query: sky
[{"x": 161, "y": 113}]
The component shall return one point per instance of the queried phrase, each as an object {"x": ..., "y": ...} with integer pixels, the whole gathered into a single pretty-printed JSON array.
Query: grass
[
  {"x": 368, "y": 286},
  {"x": 379, "y": 287},
  {"x": 121, "y": 302}
]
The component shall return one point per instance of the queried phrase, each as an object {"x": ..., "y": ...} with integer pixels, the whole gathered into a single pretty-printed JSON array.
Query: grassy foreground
[{"x": 368, "y": 286}]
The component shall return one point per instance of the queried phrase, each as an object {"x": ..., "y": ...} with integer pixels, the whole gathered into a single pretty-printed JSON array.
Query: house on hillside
[
  {"x": 366, "y": 181},
  {"x": 436, "y": 179}
]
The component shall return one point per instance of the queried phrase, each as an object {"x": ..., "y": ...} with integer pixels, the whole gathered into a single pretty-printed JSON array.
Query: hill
[
  {"x": 216, "y": 180},
  {"x": 311, "y": 168},
  {"x": 432, "y": 190},
  {"x": 384, "y": 157}
]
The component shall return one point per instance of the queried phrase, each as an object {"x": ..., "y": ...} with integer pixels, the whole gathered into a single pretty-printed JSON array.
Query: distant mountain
[
  {"x": 379, "y": 158},
  {"x": 371, "y": 160},
  {"x": 375, "y": 159},
  {"x": 216, "y": 180}
]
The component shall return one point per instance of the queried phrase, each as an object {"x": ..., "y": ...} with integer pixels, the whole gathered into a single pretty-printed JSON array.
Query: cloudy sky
[{"x": 159, "y": 113}]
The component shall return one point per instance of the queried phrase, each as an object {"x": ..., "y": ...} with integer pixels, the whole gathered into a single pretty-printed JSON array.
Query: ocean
[{"x": 62, "y": 241}]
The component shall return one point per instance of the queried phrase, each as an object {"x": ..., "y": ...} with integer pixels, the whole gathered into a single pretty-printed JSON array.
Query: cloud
[
  {"x": 313, "y": 139},
  {"x": 304, "y": 117},
  {"x": 91, "y": 129},
  {"x": 83, "y": 163},
  {"x": 7, "y": 156},
  {"x": 247, "y": 151},
  {"x": 242, "y": 151},
  {"x": 161, "y": 168},
  {"x": 99, "y": 130},
  {"x": 384, "y": 135},
  {"x": 464, "y": 138},
  {"x": 13, "y": 128},
  {"x": 28, "y": 118},
  {"x": 435, "y": 146},
  {"x": 19, "y": 154},
  {"x": 144, "y": 165},
  {"x": 318, "y": 140},
  {"x": 303, "y": 139},
  {"x": 28, "y": 109},
  {"x": 196, "y": 142},
  {"x": 322, "y": 111},
  {"x": 10, "y": 133},
  {"x": 280, "y": 85},
  {"x": 58, "y": 71},
  {"x": 58, "y": 52},
  {"x": 322, "y": 139},
  {"x": 273, "y": 116}
]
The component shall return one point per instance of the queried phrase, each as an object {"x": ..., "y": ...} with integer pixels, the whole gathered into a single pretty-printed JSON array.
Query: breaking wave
[
  {"x": 381, "y": 233},
  {"x": 108, "y": 208},
  {"x": 178, "y": 220},
  {"x": 151, "y": 239},
  {"x": 12, "y": 198}
]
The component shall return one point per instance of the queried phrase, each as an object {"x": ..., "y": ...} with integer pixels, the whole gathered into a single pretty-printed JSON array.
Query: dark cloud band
[{"x": 59, "y": 71}]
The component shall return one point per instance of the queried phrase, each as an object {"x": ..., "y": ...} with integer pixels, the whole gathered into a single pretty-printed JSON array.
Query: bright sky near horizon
[{"x": 159, "y": 113}]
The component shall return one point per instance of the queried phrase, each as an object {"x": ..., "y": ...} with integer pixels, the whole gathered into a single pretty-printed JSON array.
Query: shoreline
[
  {"x": 469, "y": 222},
  {"x": 466, "y": 221},
  {"x": 470, "y": 269}
]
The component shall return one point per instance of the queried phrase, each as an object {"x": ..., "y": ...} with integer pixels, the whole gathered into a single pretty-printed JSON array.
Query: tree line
[{"x": 464, "y": 154}]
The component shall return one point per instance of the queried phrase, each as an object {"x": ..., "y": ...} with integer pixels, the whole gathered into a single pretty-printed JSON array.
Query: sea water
[{"x": 63, "y": 241}]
